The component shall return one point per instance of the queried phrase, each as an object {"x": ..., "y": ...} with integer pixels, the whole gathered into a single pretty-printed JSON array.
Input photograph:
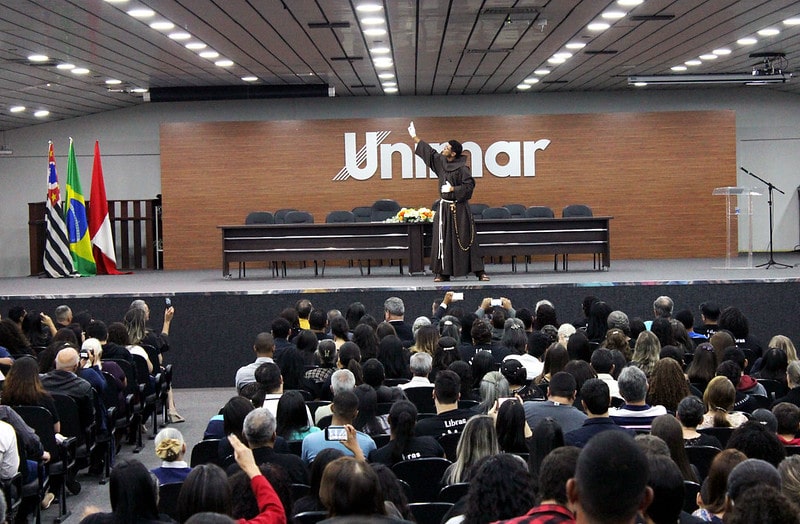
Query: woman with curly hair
[
  {"x": 502, "y": 489},
  {"x": 12, "y": 338},
  {"x": 719, "y": 398},
  {"x": 646, "y": 351},
  {"x": 668, "y": 385},
  {"x": 366, "y": 340},
  {"x": 617, "y": 339}
]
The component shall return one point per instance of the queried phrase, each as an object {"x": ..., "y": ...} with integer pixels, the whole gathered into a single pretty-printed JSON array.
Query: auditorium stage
[{"x": 216, "y": 319}]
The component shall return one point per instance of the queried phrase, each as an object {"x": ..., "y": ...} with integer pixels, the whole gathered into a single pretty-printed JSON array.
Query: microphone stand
[{"x": 771, "y": 262}]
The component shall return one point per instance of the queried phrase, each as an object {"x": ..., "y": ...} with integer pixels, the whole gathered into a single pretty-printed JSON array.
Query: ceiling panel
[{"x": 437, "y": 46}]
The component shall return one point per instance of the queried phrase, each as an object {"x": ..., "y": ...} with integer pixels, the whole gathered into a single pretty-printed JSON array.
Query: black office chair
[
  {"x": 496, "y": 213},
  {"x": 260, "y": 217},
  {"x": 255, "y": 217},
  {"x": 422, "y": 397},
  {"x": 298, "y": 217},
  {"x": 340, "y": 217},
  {"x": 362, "y": 213},
  {"x": 310, "y": 517},
  {"x": 516, "y": 210},
  {"x": 280, "y": 215},
  {"x": 421, "y": 474},
  {"x": 449, "y": 443},
  {"x": 577, "y": 210},
  {"x": 539, "y": 212},
  {"x": 383, "y": 209},
  {"x": 775, "y": 389},
  {"x": 476, "y": 210},
  {"x": 722, "y": 434}
]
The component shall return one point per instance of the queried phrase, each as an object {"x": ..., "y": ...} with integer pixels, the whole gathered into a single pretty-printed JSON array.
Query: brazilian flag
[{"x": 80, "y": 245}]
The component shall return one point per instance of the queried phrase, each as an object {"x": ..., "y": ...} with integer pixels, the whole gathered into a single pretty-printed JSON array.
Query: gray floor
[
  {"x": 196, "y": 405},
  {"x": 260, "y": 281}
]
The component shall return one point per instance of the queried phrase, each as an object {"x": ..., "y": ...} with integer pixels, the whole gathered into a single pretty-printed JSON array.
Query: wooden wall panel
[{"x": 654, "y": 172}]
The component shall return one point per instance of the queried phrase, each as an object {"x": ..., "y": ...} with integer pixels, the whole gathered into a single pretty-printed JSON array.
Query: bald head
[{"x": 67, "y": 360}]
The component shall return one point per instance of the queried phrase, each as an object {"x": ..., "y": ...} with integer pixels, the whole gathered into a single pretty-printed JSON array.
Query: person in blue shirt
[{"x": 171, "y": 448}]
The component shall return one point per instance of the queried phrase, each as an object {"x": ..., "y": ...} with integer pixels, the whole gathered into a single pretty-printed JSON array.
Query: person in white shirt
[
  {"x": 264, "y": 348},
  {"x": 420, "y": 365}
]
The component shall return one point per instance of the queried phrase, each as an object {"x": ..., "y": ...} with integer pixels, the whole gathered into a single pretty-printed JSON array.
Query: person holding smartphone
[
  {"x": 340, "y": 434},
  {"x": 455, "y": 249}
]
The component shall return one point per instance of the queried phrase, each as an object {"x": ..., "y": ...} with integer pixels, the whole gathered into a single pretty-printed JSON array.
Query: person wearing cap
[{"x": 454, "y": 248}]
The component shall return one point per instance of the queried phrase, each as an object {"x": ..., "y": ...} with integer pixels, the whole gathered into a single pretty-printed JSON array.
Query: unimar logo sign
[{"x": 502, "y": 159}]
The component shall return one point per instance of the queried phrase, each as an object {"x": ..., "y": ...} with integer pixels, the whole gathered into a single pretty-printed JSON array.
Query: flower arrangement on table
[{"x": 408, "y": 214}]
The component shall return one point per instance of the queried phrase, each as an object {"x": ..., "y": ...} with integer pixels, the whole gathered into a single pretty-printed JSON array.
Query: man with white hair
[
  {"x": 341, "y": 380},
  {"x": 420, "y": 365},
  {"x": 65, "y": 381},
  {"x": 259, "y": 431},
  {"x": 636, "y": 411}
]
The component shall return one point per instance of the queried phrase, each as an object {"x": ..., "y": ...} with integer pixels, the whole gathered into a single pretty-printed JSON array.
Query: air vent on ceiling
[
  {"x": 346, "y": 58},
  {"x": 25, "y": 61},
  {"x": 602, "y": 52},
  {"x": 487, "y": 51},
  {"x": 328, "y": 25},
  {"x": 650, "y": 18},
  {"x": 554, "y": 81},
  {"x": 515, "y": 12},
  {"x": 362, "y": 86}
]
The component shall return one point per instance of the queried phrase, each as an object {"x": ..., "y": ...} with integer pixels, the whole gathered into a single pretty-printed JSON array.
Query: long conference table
[{"x": 280, "y": 243}]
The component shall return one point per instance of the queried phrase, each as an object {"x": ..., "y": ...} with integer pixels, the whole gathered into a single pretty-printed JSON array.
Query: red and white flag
[{"x": 99, "y": 223}]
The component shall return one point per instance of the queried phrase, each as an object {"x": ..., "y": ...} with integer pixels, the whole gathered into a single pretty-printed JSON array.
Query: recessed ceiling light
[
  {"x": 373, "y": 20},
  {"x": 563, "y": 55},
  {"x": 208, "y": 54},
  {"x": 639, "y": 84},
  {"x": 180, "y": 35},
  {"x": 722, "y": 51},
  {"x": 38, "y": 58},
  {"x": 249, "y": 78},
  {"x": 41, "y": 113},
  {"x": 382, "y": 60},
  {"x": 80, "y": 71},
  {"x": 380, "y": 50},
  {"x": 223, "y": 63},
  {"x": 613, "y": 15},
  {"x": 792, "y": 21},
  {"x": 630, "y": 3},
  {"x": 556, "y": 60},
  {"x": 386, "y": 76},
  {"x": 531, "y": 81},
  {"x": 541, "y": 72},
  {"x": 747, "y": 41},
  {"x": 369, "y": 8},
  {"x": 708, "y": 56},
  {"x": 164, "y": 25},
  {"x": 679, "y": 68},
  {"x": 115, "y": 1},
  {"x": 65, "y": 66},
  {"x": 195, "y": 46},
  {"x": 113, "y": 81},
  {"x": 139, "y": 90},
  {"x": 141, "y": 13},
  {"x": 389, "y": 84},
  {"x": 17, "y": 109},
  {"x": 693, "y": 62},
  {"x": 523, "y": 87},
  {"x": 375, "y": 31},
  {"x": 390, "y": 90},
  {"x": 575, "y": 45},
  {"x": 384, "y": 65},
  {"x": 769, "y": 31},
  {"x": 598, "y": 26}
]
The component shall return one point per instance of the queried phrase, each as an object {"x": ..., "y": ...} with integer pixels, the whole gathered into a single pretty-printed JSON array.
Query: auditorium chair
[
  {"x": 168, "y": 498},
  {"x": 421, "y": 474},
  {"x": 205, "y": 452},
  {"x": 429, "y": 512},
  {"x": 340, "y": 217},
  {"x": 577, "y": 210}
]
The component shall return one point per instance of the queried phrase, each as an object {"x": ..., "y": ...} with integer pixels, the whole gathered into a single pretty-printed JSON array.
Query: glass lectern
[{"x": 738, "y": 203}]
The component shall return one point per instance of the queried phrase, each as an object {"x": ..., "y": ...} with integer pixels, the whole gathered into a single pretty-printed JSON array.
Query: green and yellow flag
[{"x": 80, "y": 244}]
